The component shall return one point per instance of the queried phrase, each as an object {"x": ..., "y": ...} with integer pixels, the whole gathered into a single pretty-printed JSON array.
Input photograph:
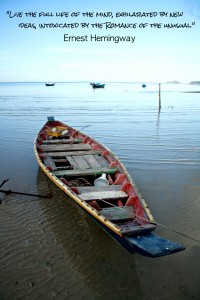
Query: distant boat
[
  {"x": 50, "y": 84},
  {"x": 97, "y": 85},
  {"x": 144, "y": 85}
]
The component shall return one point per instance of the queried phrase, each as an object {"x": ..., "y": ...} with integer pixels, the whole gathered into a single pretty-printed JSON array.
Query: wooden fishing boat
[
  {"x": 97, "y": 85},
  {"x": 99, "y": 183}
]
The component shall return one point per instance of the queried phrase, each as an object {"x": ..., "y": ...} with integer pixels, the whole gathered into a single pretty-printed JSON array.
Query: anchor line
[{"x": 158, "y": 224}]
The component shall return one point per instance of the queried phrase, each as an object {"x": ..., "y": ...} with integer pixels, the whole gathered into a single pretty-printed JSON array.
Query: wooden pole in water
[{"x": 159, "y": 96}]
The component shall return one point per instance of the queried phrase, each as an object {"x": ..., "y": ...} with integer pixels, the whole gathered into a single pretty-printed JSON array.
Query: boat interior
[{"x": 78, "y": 161}]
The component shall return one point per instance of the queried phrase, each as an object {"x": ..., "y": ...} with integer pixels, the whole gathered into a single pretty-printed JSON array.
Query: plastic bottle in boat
[
  {"x": 64, "y": 132},
  {"x": 101, "y": 181}
]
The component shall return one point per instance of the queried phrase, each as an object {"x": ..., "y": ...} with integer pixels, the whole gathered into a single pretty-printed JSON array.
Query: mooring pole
[{"x": 159, "y": 96}]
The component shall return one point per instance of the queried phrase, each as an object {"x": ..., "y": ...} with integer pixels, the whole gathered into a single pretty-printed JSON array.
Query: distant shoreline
[{"x": 192, "y": 92}]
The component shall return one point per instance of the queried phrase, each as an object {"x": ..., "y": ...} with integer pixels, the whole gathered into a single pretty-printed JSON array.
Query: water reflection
[{"x": 89, "y": 251}]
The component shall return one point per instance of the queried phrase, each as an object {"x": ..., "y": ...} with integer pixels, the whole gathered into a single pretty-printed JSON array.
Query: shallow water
[{"x": 49, "y": 248}]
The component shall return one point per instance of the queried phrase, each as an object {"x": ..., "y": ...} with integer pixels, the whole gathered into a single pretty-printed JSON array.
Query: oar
[
  {"x": 8, "y": 192},
  {"x": 4, "y": 181}
]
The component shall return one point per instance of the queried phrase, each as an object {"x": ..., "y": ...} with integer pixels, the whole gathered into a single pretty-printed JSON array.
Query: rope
[
  {"x": 119, "y": 207},
  {"x": 158, "y": 224},
  {"x": 8, "y": 192},
  {"x": 79, "y": 182},
  {"x": 178, "y": 232}
]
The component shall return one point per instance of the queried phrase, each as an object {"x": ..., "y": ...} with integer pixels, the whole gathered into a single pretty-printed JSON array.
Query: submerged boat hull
[{"x": 74, "y": 161}]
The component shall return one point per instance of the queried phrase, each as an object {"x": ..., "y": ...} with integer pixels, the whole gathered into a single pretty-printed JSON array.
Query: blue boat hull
[
  {"x": 152, "y": 245},
  {"x": 148, "y": 244}
]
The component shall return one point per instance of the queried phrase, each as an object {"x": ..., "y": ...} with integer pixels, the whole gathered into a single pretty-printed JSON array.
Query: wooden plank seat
[
  {"x": 134, "y": 228},
  {"x": 103, "y": 195},
  {"x": 118, "y": 213},
  {"x": 65, "y": 147},
  {"x": 92, "y": 161},
  {"x": 96, "y": 160},
  {"x": 62, "y": 141},
  {"x": 86, "y": 161},
  {"x": 85, "y": 172},
  {"x": 74, "y": 162},
  {"x": 86, "y": 189},
  {"x": 78, "y": 162},
  {"x": 103, "y": 162},
  {"x": 72, "y": 153}
]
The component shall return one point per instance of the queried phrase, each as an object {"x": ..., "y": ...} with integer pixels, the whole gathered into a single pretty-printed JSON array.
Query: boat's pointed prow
[
  {"x": 50, "y": 118},
  {"x": 153, "y": 246}
]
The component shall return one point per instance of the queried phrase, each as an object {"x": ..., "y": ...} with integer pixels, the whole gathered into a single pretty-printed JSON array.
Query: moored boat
[
  {"x": 50, "y": 84},
  {"x": 99, "y": 183},
  {"x": 97, "y": 85}
]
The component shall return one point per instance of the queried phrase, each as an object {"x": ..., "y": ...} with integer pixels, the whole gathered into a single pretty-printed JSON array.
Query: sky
[{"x": 147, "y": 51}]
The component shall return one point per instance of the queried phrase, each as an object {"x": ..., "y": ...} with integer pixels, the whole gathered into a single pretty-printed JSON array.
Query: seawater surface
[{"x": 49, "y": 248}]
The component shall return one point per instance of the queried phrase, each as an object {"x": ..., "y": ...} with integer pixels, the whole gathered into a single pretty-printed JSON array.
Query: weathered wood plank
[
  {"x": 71, "y": 153},
  {"x": 62, "y": 164},
  {"x": 62, "y": 141},
  {"x": 92, "y": 161},
  {"x": 103, "y": 195},
  {"x": 103, "y": 162},
  {"x": 72, "y": 162},
  {"x": 65, "y": 168},
  {"x": 118, "y": 213},
  {"x": 85, "y": 172},
  {"x": 86, "y": 189},
  {"x": 60, "y": 160},
  {"x": 81, "y": 162},
  {"x": 48, "y": 161},
  {"x": 136, "y": 229},
  {"x": 65, "y": 147}
]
